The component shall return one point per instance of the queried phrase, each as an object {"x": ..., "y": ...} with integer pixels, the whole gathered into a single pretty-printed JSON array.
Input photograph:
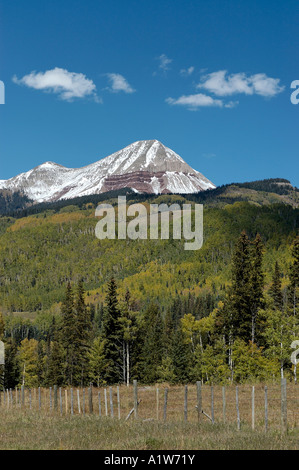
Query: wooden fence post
[
  {"x": 51, "y": 398},
  {"x": 106, "y": 404},
  {"x": 111, "y": 402},
  {"x": 157, "y": 403},
  {"x": 39, "y": 399},
  {"x": 55, "y": 398},
  {"x": 60, "y": 400},
  {"x": 199, "y": 401},
  {"x": 100, "y": 409},
  {"x": 186, "y": 404},
  {"x": 30, "y": 403},
  {"x": 224, "y": 403},
  {"x": 90, "y": 400},
  {"x": 66, "y": 402},
  {"x": 237, "y": 406},
  {"x": 165, "y": 404},
  {"x": 253, "y": 408},
  {"x": 284, "y": 420},
  {"x": 72, "y": 402},
  {"x": 266, "y": 409},
  {"x": 78, "y": 401},
  {"x": 84, "y": 401},
  {"x": 135, "y": 399}
]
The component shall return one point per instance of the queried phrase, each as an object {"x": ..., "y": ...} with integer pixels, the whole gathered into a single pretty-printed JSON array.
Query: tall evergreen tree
[
  {"x": 82, "y": 319},
  {"x": 55, "y": 369},
  {"x": 275, "y": 289},
  {"x": 152, "y": 352},
  {"x": 111, "y": 332},
  {"x": 182, "y": 356},
  {"x": 256, "y": 286},
  {"x": 294, "y": 278},
  {"x": 69, "y": 333},
  {"x": 239, "y": 302},
  {"x": 12, "y": 366}
]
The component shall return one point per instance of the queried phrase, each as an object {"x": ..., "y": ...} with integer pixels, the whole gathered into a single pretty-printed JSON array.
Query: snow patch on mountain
[{"x": 146, "y": 166}]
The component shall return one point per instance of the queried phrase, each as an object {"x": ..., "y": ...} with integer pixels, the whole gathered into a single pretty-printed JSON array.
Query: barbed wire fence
[{"x": 263, "y": 407}]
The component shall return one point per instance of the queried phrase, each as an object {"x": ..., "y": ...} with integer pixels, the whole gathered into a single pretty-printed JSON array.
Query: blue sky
[{"x": 209, "y": 79}]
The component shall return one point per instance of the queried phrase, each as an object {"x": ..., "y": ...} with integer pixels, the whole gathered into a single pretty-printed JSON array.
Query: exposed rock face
[{"x": 145, "y": 166}]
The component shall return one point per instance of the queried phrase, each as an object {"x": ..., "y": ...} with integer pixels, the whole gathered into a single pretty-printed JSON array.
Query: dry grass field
[{"x": 27, "y": 427}]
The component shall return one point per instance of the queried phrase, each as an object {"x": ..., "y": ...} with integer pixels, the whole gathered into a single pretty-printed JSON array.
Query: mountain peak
[
  {"x": 49, "y": 165},
  {"x": 145, "y": 166}
]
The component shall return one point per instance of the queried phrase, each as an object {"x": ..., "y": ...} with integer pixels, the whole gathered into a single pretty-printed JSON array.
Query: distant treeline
[
  {"x": 13, "y": 202},
  {"x": 18, "y": 205},
  {"x": 275, "y": 185}
]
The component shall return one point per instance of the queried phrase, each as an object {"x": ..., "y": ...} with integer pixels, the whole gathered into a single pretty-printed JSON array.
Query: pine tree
[
  {"x": 182, "y": 356},
  {"x": 256, "y": 286},
  {"x": 69, "y": 334},
  {"x": 239, "y": 302},
  {"x": 82, "y": 319},
  {"x": 111, "y": 332},
  {"x": 294, "y": 277},
  {"x": 152, "y": 352},
  {"x": 12, "y": 366},
  {"x": 55, "y": 369},
  {"x": 294, "y": 294},
  {"x": 275, "y": 289}
]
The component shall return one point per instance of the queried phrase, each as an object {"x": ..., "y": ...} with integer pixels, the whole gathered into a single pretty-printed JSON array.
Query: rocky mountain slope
[{"x": 145, "y": 166}]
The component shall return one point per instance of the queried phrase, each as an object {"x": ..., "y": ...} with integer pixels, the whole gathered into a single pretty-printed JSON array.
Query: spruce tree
[
  {"x": 152, "y": 352},
  {"x": 239, "y": 302},
  {"x": 82, "y": 319},
  {"x": 111, "y": 333},
  {"x": 275, "y": 289},
  {"x": 256, "y": 286},
  {"x": 12, "y": 371},
  {"x": 294, "y": 278},
  {"x": 69, "y": 334},
  {"x": 55, "y": 369},
  {"x": 182, "y": 356}
]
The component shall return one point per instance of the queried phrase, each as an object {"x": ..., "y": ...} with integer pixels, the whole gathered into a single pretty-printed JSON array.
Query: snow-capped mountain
[{"x": 145, "y": 166}]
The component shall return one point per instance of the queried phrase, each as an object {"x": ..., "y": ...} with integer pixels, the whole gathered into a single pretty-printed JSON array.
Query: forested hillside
[{"x": 77, "y": 309}]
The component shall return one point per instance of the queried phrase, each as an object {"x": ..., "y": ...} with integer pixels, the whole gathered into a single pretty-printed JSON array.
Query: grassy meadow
[{"x": 27, "y": 427}]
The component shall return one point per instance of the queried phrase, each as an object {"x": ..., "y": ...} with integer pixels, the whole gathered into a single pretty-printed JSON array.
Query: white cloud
[
  {"x": 68, "y": 85},
  {"x": 193, "y": 102},
  {"x": 164, "y": 62},
  {"x": 222, "y": 84},
  {"x": 231, "y": 104},
  {"x": 119, "y": 83},
  {"x": 187, "y": 72},
  {"x": 266, "y": 86}
]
